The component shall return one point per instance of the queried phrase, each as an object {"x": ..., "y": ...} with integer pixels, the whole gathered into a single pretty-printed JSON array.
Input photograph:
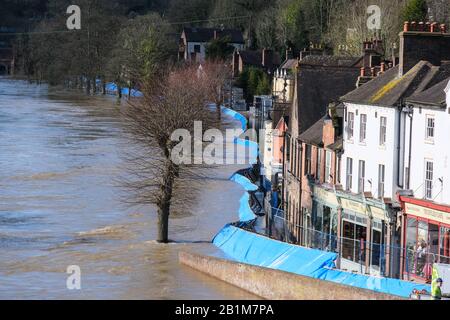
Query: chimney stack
[
  {"x": 423, "y": 41},
  {"x": 267, "y": 58}
]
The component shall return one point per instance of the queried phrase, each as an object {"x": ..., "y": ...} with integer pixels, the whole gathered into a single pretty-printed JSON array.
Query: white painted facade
[
  {"x": 435, "y": 150},
  {"x": 199, "y": 48},
  {"x": 371, "y": 149}
]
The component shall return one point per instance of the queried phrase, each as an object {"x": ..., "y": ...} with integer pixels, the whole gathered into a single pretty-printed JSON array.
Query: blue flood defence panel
[
  {"x": 237, "y": 116},
  {"x": 244, "y": 182},
  {"x": 250, "y": 248},
  {"x": 112, "y": 87},
  {"x": 246, "y": 213}
]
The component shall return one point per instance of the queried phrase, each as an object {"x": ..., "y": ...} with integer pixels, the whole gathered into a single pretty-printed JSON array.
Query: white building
[
  {"x": 429, "y": 146},
  {"x": 396, "y": 130},
  {"x": 194, "y": 41}
]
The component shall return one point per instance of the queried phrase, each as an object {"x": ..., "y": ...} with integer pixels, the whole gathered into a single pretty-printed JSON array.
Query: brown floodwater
[{"x": 61, "y": 154}]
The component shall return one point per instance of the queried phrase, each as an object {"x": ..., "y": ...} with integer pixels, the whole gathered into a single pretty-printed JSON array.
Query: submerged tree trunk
[
  {"x": 170, "y": 172},
  {"x": 163, "y": 224},
  {"x": 88, "y": 86}
]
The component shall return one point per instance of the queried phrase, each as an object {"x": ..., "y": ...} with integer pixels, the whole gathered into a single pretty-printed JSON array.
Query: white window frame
[
  {"x": 328, "y": 160},
  {"x": 350, "y": 125},
  {"x": 361, "y": 176},
  {"x": 362, "y": 127},
  {"x": 428, "y": 181},
  {"x": 381, "y": 180},
  {"x": 319, "y": 164},
  {"x": 383, "y": 130},
  {"x": 349, "y": 174},
  {"x": 430, "y": 128}
]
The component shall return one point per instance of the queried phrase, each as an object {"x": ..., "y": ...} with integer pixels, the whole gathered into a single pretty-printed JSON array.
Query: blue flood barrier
[
  {"x": 250, "y": 248},
  {"x": 244, "y": 182},
  {"x": 112, "y": 88},
  {"x": 235, "y": 115},
  {"x": 246, "y": 213}
]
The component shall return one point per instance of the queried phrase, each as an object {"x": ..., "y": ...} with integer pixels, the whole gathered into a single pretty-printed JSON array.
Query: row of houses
[{"x": 355, "y": 158}]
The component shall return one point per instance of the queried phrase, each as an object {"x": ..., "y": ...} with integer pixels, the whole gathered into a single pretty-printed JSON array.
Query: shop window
[
  {"x": 376, "y": 249},
  {"x": 422, "y": 247},
  {"x": 354, "y": 242},
  {"x": 444, "y": 252}
]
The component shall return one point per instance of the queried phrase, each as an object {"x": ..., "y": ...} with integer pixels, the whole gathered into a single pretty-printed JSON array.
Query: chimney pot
[
  {"x": 413, "y": 26},
  {"x": 421, "y": 26},
  {"x": 406, "y": 26},
  {"x": 434, "y": 27},
  {"x": 383, "y": 67},
  {"x": 443, "y": 28},
  {"x": 363, "y": 72},
  {"x": 372, "y": 72},
  {"x": 428, "y": 27}
]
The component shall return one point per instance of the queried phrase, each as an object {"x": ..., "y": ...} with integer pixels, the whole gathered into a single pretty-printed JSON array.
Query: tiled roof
[
  {"x": 317, "y": 87},
  {"x": 253, "y": 58},
  {"x": 388, "y": 89},
  {"x": 434, "y": 96},
  {"x": 328, "y": 61},
  {"x": 314, "y": 134},
  {"x": 207, "y": 34},
  {"x": 289, "y": 64}
]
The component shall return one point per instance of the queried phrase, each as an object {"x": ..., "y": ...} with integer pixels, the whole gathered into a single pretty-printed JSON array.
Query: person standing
[{"x": 436, "y": 293}]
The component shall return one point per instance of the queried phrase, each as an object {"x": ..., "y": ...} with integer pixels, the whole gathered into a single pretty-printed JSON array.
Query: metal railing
[{"x": 417, "y": 264}]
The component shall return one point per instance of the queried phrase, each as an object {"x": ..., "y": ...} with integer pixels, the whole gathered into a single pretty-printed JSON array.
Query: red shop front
[{"x": 425, "y": 237}]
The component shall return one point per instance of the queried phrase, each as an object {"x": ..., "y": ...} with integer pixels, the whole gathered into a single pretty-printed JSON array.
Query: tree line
[{"x": 123, "y": 41}]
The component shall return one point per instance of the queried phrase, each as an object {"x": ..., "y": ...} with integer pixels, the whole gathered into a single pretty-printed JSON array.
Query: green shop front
[{"x": 364, "y": 235}]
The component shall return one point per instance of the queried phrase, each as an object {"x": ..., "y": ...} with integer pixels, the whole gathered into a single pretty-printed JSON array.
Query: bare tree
[
  {"x": 216, "y": 73},
  {"x": 176, "y": 101}
]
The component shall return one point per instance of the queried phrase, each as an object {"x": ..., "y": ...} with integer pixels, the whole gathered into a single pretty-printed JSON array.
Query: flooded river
[{"x": 60, "y": 157}]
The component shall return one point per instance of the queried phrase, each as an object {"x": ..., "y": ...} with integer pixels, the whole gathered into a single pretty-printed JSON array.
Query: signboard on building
[
  {"x": 329, "y": 197},
  {"x": 363, "y": 209},
  {"x": 426, "y": 213}
]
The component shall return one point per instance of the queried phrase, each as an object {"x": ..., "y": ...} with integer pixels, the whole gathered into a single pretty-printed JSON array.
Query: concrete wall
[{"x": 274, "y": 284}]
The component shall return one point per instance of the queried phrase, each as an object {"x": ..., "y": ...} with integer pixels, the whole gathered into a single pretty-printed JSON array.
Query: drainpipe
[
  {"x": 411, "y": 116},
  {"x": 399, "y": 130}
]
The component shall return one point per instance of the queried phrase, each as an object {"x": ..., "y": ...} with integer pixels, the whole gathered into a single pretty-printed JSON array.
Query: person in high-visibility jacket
[{"x": 436, "y": 293}]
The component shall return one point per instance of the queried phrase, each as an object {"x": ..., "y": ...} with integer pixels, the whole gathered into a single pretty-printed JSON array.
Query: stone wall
[{"x": 274, "y": 284}]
